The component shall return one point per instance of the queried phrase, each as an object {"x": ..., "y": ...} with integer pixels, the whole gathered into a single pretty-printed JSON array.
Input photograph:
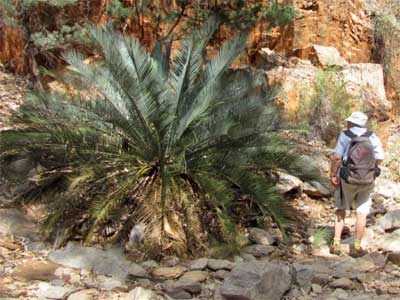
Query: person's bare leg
[
  {"x": 339, "y": 223},
  {"x": 360, "y": 227}
]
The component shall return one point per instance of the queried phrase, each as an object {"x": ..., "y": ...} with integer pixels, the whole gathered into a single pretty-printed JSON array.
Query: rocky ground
[{"x": 268, "y": 268}]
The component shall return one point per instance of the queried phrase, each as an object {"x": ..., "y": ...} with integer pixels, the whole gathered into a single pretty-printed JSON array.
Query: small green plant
[
  {"x": 323, "y": 235},
  {"x": 325, "y": 105}
]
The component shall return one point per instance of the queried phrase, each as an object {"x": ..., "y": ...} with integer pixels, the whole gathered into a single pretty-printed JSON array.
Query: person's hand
[{"x": 335, "y": 180}]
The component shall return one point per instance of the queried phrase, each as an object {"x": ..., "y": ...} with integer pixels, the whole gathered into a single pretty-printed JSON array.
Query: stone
[
  {"x": 304, "y": 276},
  {"x": 189, "y": 285},
  {"x": 19, "y": 168},
  {"x": 111, "y": 262},
  {"x": 170, "y": 261},
  {"x": 315, "y": 189},
  {"x": 391, "y": 220},
  {"x": 220, "y": 264},
  {"x": 149, "y": 264},
  {"x": 247, "y": 256},
  {"x": 83, "y": 295},
  {"x": 325, "y": 56},
  {"x": 168, "y": 272},
  {"x": 316, "y": 288},
  {"x": 391, "y": 242},
  {"x": 220, "y": 274},
  {"x": 49, "y": 291},
  {"x": 36, "y": 270},
  {"x": 366, "y": 81},
  {"x": 260, "y": 236},
  {"x": 394, "y": 258},
  {"x": 256, "y": 281},
  {"x": 14, "y": 222},
  {"x": 339, "y": 294},
  {"x": 179, "y": 294},
  {"x": 259, "y": 250},
  {"x": 199, "y": 264},
  {"x": 288, "y": 183},
  {"x": 139, "y": 293},
  {"x": 106, "y": 283},
  {"x": 378, "y": 259},
  {"x": 198, "y": 276},
  {"x": 342, "y": 283},
  {"x": 387, "y": 188}
]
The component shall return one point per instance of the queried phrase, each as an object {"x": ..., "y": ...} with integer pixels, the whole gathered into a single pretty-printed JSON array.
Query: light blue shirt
[{"x": 342, "y": 146}]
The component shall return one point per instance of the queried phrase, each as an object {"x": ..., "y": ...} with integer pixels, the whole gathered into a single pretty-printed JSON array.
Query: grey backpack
[{"x": 360, "y": 167}]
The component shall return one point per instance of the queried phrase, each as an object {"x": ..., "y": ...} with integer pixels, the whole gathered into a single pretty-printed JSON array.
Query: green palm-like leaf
[{"x": 172, "y": 147}]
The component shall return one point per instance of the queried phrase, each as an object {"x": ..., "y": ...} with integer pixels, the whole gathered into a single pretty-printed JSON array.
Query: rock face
[
  {"x": 341, "y": 24},
  {"x": 108, "y": 262},
  {"x": 363, "y": 81},
  {"x": 256, "y": 281}
]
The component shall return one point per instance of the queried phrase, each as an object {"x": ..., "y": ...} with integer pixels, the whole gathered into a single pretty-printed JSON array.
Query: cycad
[{"x": 171, "y": 146}]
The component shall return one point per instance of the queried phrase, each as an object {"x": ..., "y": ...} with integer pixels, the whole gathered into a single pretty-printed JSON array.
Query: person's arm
[{"x": 335, "y": 163}]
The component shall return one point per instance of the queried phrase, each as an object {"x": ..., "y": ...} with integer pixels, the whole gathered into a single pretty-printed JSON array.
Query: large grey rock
[
  {"x": 168, "y": 272},
  {"x": 391, "y": 220},
  {"x": 220, "y": 264},
  {"x": 83, "y": 295},
  {"x": 391, "y": 241},
  {"x": 257, "y": 280},
  {"x": 140, "y": 293},
  {"x": 287, "y": 183},
  {"x": 315, "y": 189},
  {"x": 260, "y": 236},
  {"x": 259, "y": 250},
  {"x": 199, "y": 264},
  {"x": 387, "y": 188},
  {"x": 107, "y": 262},
  {"x": 49, "y": 291},
  {"x": 304, "y": 276},
  {"x": 326, "y": 56},
  {"x": 342, "y": 283},
  {"x": 14, "y": 222}
]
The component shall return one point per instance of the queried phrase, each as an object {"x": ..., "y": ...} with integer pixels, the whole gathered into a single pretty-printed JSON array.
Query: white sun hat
[{"x": 358, "y": 118}]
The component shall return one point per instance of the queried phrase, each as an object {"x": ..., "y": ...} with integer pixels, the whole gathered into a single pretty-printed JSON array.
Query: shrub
[{"x": 168, "y": 145}]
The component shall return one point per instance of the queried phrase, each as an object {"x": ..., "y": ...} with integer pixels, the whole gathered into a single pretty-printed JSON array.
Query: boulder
[
  {"x": 220, "y": 264},
  {"x": 36, "y": 270},
  {"x": 49, "y": 291},
  {"x": 168, "y": 272},
  {"x": 140, "y": 293},
  {"x": 342, "y": 283},
  {"x": 256, "y": 281},
  {"x": 391, "y": 220},
  {"x": 110, "y": 262},
  {"x": 325, "y": 56},
  {"x": 199, "y": 264},
  {"x": 391, "y": 242},
  {"x": 260, "y": 236},
  {"x": 83, "y": 295},
  {"x": 387, "y": 188},
  {"x": 288, "y": 183},
  {"x": 259, "y": 250},
  {"x": 394, "y": 258},
  {"x": 14, "y": 222},
  {"x": 365, "y": 81},
  {"x": 316, "y": 189},
  {"x": 304, "y": 276}
]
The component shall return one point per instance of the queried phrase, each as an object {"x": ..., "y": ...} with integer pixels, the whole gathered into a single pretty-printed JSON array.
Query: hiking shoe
[
  {"x": 357, "y": 252},
  {"x": 336, "y": 247}
]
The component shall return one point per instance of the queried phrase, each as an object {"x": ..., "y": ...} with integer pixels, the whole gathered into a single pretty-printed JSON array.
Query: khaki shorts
[{"x": 355, "y": 197}]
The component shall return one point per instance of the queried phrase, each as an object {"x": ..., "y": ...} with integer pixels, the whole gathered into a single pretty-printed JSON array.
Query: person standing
[{"x": 354, "y": 166}]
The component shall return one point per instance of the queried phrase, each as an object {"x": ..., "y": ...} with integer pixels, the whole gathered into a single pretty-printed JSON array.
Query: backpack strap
[
  {"x": 367, "y": 133},
  {"x": 349, "y": 133}
]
